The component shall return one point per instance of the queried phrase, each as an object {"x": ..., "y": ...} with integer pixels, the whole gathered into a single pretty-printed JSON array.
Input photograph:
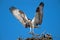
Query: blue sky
[{"x": 11, "y": 29}]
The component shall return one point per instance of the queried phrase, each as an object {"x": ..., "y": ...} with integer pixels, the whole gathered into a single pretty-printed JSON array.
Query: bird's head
[
  {"x": 12, "y": 8},
  {"x": 41, "y": 5}
]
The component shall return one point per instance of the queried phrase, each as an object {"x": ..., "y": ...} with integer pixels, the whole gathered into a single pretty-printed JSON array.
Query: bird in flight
[{"x": 21, "y": 16}]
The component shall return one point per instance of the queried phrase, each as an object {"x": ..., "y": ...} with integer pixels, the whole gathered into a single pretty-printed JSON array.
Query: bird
[{"x": 22, "y": 18}]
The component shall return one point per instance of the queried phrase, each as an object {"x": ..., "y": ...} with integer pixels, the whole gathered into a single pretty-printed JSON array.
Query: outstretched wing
[
  {"x": 37, "y": 20},
  {"x": 19, "y": 15}
]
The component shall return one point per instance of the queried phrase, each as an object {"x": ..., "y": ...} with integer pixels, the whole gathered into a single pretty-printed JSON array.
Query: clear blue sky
[{"x": 11, "y": 29}]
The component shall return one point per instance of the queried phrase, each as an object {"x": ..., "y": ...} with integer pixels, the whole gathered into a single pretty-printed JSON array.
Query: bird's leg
[
  {"x": 30, "y": 29},
  {"x": 33, "y": 29}
]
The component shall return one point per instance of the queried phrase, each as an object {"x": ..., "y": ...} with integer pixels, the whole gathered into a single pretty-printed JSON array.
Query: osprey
[{"x": 37, "y": 20}]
